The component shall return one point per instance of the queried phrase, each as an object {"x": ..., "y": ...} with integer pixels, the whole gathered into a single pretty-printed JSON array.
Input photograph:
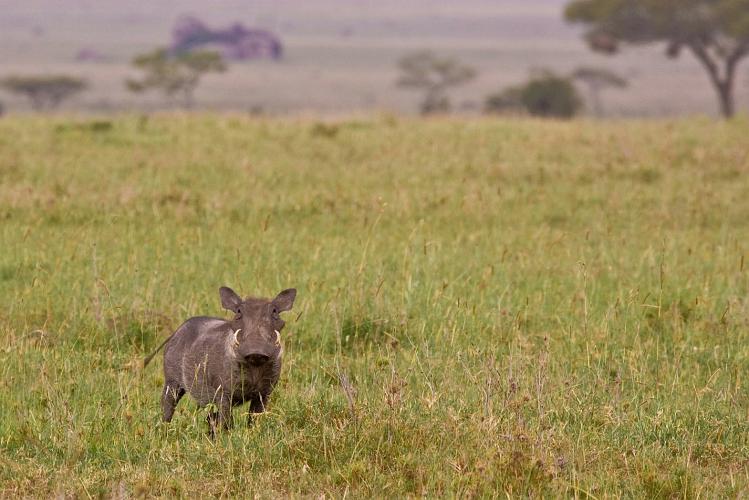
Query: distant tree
[
  {"x": 434, "y": 75},
  {"x": 45, "y": 91},
  {"x": 545, "y": 95},
  {"x": 597, "y": 80},
  {"x": 175, "y": 75},
  {"x": 716, "y": 32}
]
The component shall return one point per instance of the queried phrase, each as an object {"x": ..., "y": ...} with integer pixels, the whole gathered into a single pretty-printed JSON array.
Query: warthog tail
[{"x": 150, "y": 356}]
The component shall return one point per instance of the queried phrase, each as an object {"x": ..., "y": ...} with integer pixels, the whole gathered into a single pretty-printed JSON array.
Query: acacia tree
[
  {"x": 175, "y": 75},
  {"x": 46, "y": 91},
  {"x": 597, "y": 80},
  {"x": 433, "y": 74},
  {"x": 716, "y": 32}
]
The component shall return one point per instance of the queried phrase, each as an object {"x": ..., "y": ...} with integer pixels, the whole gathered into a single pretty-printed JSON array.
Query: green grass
[{"x": 521, "y": 308}]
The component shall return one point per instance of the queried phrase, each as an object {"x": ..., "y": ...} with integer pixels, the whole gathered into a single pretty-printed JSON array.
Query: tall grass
[{"x": 485, "y": 307}]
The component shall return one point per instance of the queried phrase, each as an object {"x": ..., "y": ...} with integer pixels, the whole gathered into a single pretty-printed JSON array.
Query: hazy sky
[{"x": 340, "y": 54}]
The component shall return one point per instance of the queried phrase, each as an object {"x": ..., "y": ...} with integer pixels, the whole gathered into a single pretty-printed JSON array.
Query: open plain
[{"x": 484, "y": 307}]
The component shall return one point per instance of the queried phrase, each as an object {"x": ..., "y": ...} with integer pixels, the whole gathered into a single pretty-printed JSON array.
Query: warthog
[{"x": 226, "y": 363}]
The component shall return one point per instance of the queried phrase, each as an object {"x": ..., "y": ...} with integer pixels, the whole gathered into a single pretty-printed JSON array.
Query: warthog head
[{"x": 257, "y": 324}]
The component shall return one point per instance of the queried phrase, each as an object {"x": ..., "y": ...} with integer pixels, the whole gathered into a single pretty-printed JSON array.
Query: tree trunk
[
  {"x": 595, "y": 99},
  {"x": 37, "y": 101},
  {"x": 723, "y": 81},
  {"x": 189, "y": 99},
  {"x": 727, "y": 101}
]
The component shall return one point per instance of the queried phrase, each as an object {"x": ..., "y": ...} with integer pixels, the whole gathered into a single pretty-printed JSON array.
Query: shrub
[{"x": 546, "y": 95}]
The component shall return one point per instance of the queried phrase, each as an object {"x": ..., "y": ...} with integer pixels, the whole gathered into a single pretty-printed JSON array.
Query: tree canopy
[
  {"x": 175, "y": 74},
  {"x": 433, "y": 74},
  {"x": 716, "y": 32},
  {"x": 44, "y": 91},
  {"x": 597, "y": 80}
]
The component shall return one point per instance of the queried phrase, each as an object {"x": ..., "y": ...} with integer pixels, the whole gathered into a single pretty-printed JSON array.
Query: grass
[{"x": 485, "y": 307}]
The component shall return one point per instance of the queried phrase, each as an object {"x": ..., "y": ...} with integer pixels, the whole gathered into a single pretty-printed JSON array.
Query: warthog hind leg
[{"x": 170, "y": 396}]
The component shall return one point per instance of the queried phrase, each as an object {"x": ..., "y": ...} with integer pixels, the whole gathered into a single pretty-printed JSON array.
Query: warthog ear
[
  {"x": 229, "y": 299},
  {"x": 285, "y": 300}
]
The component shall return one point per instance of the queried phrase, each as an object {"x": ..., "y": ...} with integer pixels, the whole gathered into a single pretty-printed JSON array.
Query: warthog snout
[{"x": 257, "y": 359}]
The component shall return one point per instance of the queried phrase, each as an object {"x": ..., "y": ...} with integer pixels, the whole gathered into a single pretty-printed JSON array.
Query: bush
[
  {"x": 547, "y": 95},
  {"x": 506, "y": 102},
  {"x": 551, "y": 96}
]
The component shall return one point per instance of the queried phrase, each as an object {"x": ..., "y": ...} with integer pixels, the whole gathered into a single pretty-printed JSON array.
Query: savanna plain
[{"x": 485, "y": 307}]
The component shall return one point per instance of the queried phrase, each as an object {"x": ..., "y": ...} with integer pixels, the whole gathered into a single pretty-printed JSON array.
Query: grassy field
[{"x": 521, "y": 308}]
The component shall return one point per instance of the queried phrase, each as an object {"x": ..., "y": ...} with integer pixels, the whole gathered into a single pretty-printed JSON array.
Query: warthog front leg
[
  {"x": 258, "y": 404},
  {"x": 221, "y": 419}
]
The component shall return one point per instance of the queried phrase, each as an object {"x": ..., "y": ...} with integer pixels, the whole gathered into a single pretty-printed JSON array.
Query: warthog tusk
[
  {"x": 278, "y": 337},
  {"x": 236, "y": 337}
]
